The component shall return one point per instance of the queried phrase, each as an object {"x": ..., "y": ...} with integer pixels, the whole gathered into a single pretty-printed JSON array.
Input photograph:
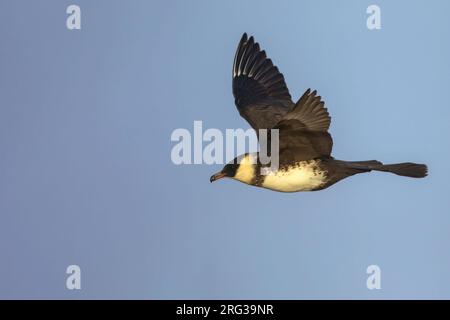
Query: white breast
[{"x": 304, "y": 176}]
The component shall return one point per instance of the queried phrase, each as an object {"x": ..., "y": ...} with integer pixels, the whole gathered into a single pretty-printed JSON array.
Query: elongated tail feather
[{"x": 407, "y": 169}]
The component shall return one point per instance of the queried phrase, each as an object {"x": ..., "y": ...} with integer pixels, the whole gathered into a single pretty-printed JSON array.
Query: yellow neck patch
[{"x": 246, "y": 171}]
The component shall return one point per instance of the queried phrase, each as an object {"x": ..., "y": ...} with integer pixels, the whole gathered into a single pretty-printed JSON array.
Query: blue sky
[{"x": 86, "y": 176}]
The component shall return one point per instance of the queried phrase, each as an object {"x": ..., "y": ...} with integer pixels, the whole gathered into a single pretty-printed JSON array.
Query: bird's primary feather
[{"x": 262, "y": 98}]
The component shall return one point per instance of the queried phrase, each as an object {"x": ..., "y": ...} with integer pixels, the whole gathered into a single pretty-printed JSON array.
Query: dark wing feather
[
  {"x": 303, "y": 131},
  {"x": 259, "y": 89},
  {"x": 311, "y": 112}
]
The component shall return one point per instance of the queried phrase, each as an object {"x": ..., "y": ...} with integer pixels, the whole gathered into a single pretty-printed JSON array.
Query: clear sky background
[{"x": 86, "y": 176}]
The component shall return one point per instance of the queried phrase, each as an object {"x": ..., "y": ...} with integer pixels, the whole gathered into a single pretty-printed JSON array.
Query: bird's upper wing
[
  {"x": 303, "y": 131},
  {"x": 259, "y": 89}
]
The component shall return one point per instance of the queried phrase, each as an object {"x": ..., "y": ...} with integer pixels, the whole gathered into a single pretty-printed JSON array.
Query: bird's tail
[{"x": 406, "y": 169}]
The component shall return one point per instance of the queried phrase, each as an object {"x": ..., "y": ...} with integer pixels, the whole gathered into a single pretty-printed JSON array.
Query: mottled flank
[{"x": 300, "y": 176}]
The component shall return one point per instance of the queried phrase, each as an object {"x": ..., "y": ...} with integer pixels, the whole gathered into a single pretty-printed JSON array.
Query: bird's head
[
  {"x": 242, "y": 168},
  {"x": 228, "y": 171}
]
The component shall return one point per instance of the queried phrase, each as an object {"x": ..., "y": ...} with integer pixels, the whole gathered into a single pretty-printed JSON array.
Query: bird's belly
[{"x": 303, "y": 176}]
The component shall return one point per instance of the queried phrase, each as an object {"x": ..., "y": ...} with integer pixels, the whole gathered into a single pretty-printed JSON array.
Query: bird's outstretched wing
[
  {"x": 259, "y": 89},
  {"x": 303, "y": 132}
]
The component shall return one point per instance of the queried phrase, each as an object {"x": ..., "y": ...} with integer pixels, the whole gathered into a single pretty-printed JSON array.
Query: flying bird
[{"x": 305, "y": 161}]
